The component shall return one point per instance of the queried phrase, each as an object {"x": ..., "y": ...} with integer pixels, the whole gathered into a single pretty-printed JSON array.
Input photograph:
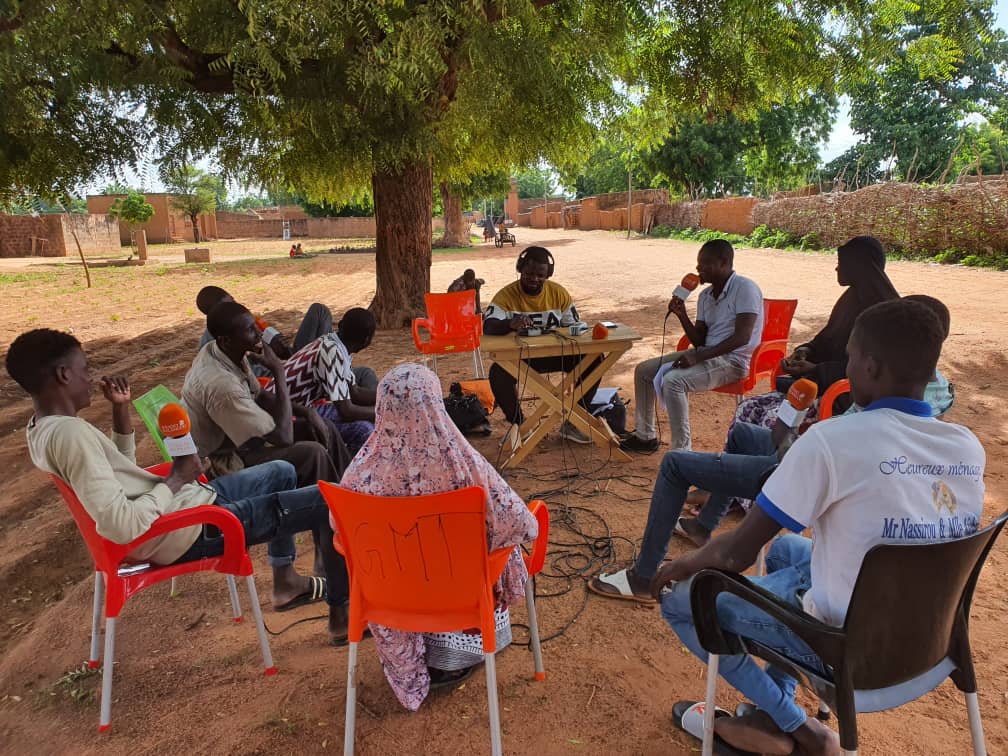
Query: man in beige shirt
[
  {"x": 235, "y": 422},
  {"x": 125, "y": 500}
]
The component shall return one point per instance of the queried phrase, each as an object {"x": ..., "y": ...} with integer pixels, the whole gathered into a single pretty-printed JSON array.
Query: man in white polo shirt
[
  {"x": 728, "y": 329},
  {"x": 890, "y": 474}
]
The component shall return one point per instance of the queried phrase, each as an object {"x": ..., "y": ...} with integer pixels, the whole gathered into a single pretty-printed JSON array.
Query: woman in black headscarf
[{"x": 861, "y": 268}]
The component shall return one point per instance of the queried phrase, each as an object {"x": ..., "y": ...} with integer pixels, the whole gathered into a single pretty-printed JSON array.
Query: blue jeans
[
  {"x": 724, "y": 475},
  {"x": 773, "y": 691},
  {"x": 745, "y": 439},
  {"x": 272, "y": 510}
]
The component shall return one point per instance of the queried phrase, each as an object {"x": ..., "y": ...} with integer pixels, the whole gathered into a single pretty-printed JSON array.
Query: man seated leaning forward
[
  {"x": 852, "y": 480},
  {"x": 125, "y": 500}
]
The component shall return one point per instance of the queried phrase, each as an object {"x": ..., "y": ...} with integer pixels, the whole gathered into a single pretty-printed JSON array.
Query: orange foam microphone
[
  {"x": 173, "y": 422},
  {"x": 800, "y": 397},
  {"x": 689, "y": 283},
  {"x": 268, "y": 331}
]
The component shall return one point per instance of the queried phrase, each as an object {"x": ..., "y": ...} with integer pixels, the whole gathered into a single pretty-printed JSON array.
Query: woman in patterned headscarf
[{"x": 415, "y": 450}]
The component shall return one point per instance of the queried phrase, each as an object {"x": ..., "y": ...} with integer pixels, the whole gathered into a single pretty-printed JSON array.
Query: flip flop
[
  {"x": 316, "y": 592},
  {"x": 688, "y": 717},
  {"x": 616, "y": 585}
]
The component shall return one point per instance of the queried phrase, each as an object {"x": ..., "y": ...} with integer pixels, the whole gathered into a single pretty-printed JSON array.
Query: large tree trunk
[
  {"x": 195, "y": 228},
  {"x": 456, "y": 229},
  {"x": 403, "y": 203}
]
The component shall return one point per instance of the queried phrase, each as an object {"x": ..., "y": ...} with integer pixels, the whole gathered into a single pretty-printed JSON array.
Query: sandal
[
  {"x": 688, "y": 716},
  {"x": 316, "y": 592},
  {"x": 616, "y": 585}
]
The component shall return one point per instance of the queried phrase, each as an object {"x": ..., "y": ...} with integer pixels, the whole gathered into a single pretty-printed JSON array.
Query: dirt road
[{"x": 188, "y": 680}]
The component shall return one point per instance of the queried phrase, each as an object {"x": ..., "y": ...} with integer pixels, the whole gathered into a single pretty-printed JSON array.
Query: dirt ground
[{"x": 188, "y": 680}]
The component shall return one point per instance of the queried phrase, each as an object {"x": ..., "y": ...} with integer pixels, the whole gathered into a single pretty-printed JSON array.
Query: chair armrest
[
  {"x": 684, "y": 343},
  {"x": 163, "y": 469},
  {"x": 419, "y": 323},
  {"x": 534, "y": 562},
  {"x": 207, "y": 514},
  {"x": 826, "y": 640}
]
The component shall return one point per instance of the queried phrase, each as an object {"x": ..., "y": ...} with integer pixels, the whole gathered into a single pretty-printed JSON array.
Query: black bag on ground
[
  {"x": 466, "y": 411},
  {"x": 614, "y": 413}
]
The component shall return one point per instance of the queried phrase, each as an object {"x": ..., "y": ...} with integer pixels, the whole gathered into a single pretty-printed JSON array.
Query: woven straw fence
[{"x": 963, "y": 217}]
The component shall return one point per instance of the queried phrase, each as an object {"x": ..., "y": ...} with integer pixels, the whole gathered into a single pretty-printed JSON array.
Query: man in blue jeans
[
  {"x": 732, "y": 473},
  {"x": 125, "y": 500},
  {"x": 852, "y": 480}
]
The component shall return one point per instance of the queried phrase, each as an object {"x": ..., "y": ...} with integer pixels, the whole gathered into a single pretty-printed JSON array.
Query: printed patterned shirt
[{"x": 320, "y": 371}]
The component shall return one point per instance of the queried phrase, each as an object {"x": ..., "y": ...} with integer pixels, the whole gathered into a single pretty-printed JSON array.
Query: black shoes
[{"x": 637, "y": 444}]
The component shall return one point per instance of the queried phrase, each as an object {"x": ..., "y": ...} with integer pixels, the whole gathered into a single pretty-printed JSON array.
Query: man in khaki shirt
[
  {"x": 124, "y": 500},
  {"x": 234, "y": 422}
]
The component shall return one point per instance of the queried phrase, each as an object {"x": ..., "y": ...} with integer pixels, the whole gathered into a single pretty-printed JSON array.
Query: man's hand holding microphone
[{"x": 173, "y": 422}]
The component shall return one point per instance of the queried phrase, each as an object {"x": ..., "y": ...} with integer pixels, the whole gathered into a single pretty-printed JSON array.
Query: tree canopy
[{"x": 384, "y": 96}]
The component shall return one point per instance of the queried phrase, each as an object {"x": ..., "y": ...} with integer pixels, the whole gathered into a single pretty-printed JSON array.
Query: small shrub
[
  {"x": 949, "y": 256},
  {"x": 662, "y": 232},
  {"x": 812, "y": 241}
]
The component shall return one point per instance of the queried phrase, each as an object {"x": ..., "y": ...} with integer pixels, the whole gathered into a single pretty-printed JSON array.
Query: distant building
[{"x": 166, "y": 226}]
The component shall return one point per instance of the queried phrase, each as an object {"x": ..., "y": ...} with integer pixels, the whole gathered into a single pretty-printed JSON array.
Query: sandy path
[{"x": 187, "y": 678}]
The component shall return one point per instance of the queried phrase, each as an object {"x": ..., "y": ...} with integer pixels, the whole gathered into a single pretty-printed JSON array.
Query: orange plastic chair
[
  {"x": 766, "y": 359},
  {"x": 420, "y": 564},
  {"x": 829, "y": 396},
  {"x": 453, "y": 326},
  {"x": 116, "y": 582}
]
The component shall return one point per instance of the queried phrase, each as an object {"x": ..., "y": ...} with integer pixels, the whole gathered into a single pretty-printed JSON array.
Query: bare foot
[
  {"x": 755, "y": 732},
  {"x": 289, "y": 589},
  {"x": 696, "y": 498},
  {"x": 816, "y": 739},
  {"x": 696, "y": 532}
]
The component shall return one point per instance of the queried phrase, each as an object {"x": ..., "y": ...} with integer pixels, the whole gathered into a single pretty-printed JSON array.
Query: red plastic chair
[
  {"x": 829, "y": 396},
  {"x": 453, "y": 326},
  {"x": 766, "y": 359},
  {"x": 421, "y": 564},
  {"x": 114, "y": 583}
]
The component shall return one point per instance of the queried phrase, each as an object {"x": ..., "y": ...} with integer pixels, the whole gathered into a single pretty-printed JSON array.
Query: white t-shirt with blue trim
[{"x": 889, "y": 474}]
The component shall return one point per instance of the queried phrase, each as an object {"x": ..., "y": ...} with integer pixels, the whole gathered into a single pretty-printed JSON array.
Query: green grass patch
[{"x": 16, "y": 278}]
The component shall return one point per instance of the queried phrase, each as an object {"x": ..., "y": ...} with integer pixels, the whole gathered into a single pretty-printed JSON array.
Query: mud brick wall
[
  {"x": 733, "y": 215},
  {"x": 97, "y": 234}
]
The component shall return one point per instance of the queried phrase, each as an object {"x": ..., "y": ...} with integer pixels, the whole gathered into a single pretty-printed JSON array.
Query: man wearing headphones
[{"x": 533, "y": 301}]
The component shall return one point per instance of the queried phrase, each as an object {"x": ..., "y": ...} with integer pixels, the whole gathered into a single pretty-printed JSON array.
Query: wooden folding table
[{"x": 560, "y": 400}]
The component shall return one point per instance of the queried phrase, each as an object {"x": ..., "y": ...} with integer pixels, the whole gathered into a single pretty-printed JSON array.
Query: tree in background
[
  {"x": 535, "y": 182},
  {"x": 983, "y": 149},
  {"x": 381, "y": 96},
  {"x": 133, "y": 210},
  {"x": 456, "y": 195},
  {"x": 909, "y": 112},
  {"x": 195, "y": 193},
  {"x": 605, "y": 171}
]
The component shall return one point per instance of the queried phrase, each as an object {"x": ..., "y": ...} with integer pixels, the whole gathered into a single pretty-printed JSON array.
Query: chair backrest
[
  {"x": 829, "y": 397},
  {"x": 416, "y": 563},
  {"x": 106, "y": 554},
  {"x": 148, "y": 406},
  {"x": 910, "y": 607},
  {"x": 777, "y": 315},
  {"x": 451, "y": 313}
]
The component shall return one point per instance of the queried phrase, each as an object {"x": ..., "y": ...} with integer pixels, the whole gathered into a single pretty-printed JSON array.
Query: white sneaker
[
  {"x": 512, "y": 439},
  {"x": 573, "y": 434}
]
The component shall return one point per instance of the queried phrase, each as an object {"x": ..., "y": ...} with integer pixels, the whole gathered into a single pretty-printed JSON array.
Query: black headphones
[{"x": 523, "y": 258}]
